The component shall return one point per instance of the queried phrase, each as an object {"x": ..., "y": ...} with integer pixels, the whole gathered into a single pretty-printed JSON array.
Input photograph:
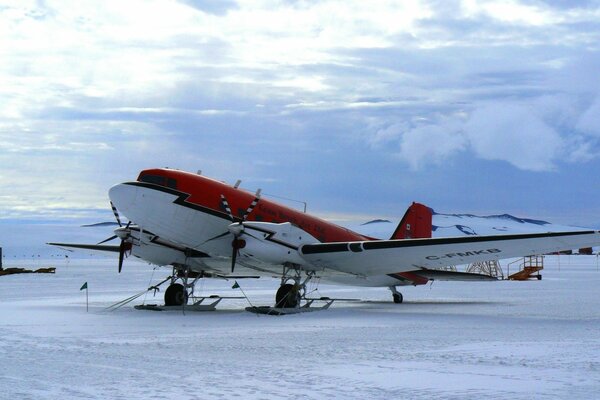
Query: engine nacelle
[{"x": 274, "y": 243}]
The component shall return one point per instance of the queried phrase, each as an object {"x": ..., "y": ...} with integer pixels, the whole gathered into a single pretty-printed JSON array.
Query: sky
[{"x": 357, "y": 108}]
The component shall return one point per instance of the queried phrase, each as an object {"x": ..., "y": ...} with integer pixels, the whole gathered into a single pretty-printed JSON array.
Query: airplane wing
[
  {"x": 392, "y": 256},
  {"x": 97, "y": 247}
]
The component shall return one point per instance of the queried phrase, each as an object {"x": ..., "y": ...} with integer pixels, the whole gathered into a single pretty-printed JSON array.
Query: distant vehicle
[{"x": 206, "y": 228}]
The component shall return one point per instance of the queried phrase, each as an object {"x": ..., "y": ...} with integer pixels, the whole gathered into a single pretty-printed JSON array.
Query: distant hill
[{"x": 507, "y": 217}]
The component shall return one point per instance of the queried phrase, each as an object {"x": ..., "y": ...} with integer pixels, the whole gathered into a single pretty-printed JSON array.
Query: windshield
[{"x": 159, "y": 180}]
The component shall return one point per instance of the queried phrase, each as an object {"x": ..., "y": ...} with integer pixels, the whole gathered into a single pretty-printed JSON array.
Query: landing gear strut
[
  {"x": 177, "y": 294},
  {"x": 396, "y": 295},
  {"x": 291, "y": 293},
  {"x": 292, "y": 289}
]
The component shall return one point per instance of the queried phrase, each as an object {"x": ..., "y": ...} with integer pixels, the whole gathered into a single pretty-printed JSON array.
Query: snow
[{"x": 459, "y": 340}]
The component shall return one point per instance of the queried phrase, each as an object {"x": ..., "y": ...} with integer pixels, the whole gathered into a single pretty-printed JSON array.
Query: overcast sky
[{"x": 357, "y": 108}]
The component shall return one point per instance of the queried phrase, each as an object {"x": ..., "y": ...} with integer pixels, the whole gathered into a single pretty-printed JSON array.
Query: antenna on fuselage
[
  {"x": 237, "y": 183},
  {"x": 304, "y": 203},
  {"x": 199, "y": 172}
]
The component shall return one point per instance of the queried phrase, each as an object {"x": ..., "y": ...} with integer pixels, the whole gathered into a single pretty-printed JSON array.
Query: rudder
[{"x": 416, "y": 223}]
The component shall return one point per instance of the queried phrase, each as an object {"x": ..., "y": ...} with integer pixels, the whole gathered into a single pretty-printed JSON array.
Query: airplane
[{"x": 205, "y": 228}]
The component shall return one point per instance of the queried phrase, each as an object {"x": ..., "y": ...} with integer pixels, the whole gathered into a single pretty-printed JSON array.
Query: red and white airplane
[{"x": 205, "y": 228}]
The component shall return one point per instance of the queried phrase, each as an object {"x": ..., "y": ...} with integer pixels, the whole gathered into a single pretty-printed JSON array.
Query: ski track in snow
[{"x": 500, "y": 340}]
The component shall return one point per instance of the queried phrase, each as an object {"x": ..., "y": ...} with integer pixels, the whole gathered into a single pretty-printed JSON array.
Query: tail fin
[{"x": 415, "y": 224}]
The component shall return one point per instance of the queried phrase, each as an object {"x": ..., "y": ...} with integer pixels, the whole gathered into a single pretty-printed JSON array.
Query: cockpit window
[{"x": 159, "y": 180}]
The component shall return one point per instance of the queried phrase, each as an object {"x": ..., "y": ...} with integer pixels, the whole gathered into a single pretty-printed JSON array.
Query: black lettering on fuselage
[{"x": 465, "y": 254}]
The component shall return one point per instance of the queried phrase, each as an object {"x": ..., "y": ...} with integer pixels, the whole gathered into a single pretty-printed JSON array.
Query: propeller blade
[
  {"x": 246, "y": 213},
  {"x": 233, "y": 258},
  {"x": 108, "y": 240},
  {"x": 250, "y": 208},
  {"x": 122, "y": 248},
  {"x": 236, "y": 245},
  {"x": 227, "y": 208},
  {"x": 218, "y": 236},
  {"x": 116, "y": 213}
]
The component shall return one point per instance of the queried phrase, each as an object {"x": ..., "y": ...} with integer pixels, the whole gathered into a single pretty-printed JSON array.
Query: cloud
[
  {"x": 90, "y": 94},
  {"x": 513, "y": 133},
  {"x": 431, "y": 144},
  {"x": 530, "y": 134},
  {"x": 513, "y": 12},
  {"x": 422, "y": 142},
  {"x": 217, "y": 7},
  {"x": 589, "y": 122}
]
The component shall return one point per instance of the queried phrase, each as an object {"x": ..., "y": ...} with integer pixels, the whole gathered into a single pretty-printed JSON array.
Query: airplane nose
[{"x": 123, "y": 196}]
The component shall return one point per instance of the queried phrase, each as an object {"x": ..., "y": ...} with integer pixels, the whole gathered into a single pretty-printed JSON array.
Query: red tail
[{"x": 415, "y": 224}]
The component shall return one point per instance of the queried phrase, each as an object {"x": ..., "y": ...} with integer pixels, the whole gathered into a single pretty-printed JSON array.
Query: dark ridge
[
  {"x": 464, "y": 229},
  {"x": 376, "y": 221},
  {"x": 499, "y": 216}
]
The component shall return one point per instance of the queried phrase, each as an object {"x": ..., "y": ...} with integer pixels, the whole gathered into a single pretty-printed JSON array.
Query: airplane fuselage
[{"x": 181, "y": 219}]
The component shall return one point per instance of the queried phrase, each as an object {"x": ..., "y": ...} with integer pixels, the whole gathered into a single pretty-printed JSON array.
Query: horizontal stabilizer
[{"x": 440, "y": 275}]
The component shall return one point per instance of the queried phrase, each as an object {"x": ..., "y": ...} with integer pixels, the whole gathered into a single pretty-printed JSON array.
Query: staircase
[{"x": 529, "y": 268}]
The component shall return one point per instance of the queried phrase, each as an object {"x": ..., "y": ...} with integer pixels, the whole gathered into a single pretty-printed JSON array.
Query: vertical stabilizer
[{"x": 416, "y": 223}]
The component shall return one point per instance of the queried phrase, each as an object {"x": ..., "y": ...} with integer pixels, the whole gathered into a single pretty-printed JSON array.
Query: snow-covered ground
[{"x": 509, "y": 340}]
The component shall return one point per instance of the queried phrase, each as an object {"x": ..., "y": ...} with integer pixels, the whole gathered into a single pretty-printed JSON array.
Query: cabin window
[{"x": 159, "y": 180}]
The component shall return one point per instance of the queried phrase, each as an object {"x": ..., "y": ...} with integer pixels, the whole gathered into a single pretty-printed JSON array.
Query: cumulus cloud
[
  {"x": 531, "y": 135},
  {"x": 513, "y": 133},
  {"x": 422, "y": 143},
  {"x": 431, "y": 144}
]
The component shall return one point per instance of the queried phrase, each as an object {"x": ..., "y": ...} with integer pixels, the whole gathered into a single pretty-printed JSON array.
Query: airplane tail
[{"x": 416, "y": 223}]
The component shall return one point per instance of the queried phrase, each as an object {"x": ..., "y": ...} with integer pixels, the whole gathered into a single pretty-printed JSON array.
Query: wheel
[
  {"x": 397, "y": 298},
  {"x": 175, "y": 295},
  {"x": 539, "y": 277},
  {"x": 287, "y": 296}
]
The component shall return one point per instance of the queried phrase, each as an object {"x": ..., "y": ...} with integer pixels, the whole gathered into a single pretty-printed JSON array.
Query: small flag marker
[{"x": 85, "y": 286}]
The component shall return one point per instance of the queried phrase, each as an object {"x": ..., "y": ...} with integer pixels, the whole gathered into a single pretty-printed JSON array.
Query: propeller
[
  {"x": 124, "y": 246},
  {"x": 116, "y": 214},
  {"x": 123, "y": 233},
  {"x": 237, "y": 227}
]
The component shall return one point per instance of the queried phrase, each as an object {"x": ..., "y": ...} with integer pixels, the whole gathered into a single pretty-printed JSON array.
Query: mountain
[{"x": 448, "y": 225}]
